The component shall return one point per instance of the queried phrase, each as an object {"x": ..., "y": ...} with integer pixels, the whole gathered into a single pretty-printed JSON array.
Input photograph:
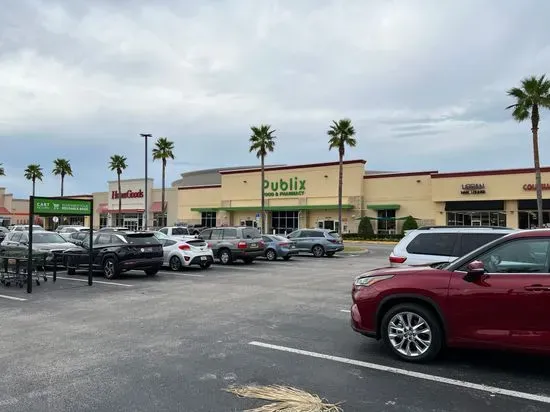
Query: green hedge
[{"x": 357, "y": 236}]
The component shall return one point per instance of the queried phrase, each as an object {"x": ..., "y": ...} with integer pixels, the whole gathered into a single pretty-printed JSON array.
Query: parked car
[
  {"x": 442, "y": 244},
  {"x": 117, "y": 252},
  {"x": 319, "y": 242},
  {"x": 178, "y": 231},
  {"x": 278, "y": 246},
  {"x": 179, "y": 253},
  {"x": 66, "y": 231},
  {"x": 3, "y": 232},
  {"x": 234, "y": 243},
  {"x": 78, "y": 237},
  {"x": 114, "y": 229},
  {"x": 25, "y": 228},
  {"x": 495, "y": 297},
  {"x": 42, "y": 241}
]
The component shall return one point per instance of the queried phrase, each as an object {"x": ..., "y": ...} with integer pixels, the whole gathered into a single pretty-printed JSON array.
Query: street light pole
[{"x": 145, "y": 214}]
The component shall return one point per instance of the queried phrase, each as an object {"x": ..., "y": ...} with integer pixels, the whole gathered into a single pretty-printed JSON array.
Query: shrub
[
  {"x": 365, "y": 227},
  {"x": 409, "y": 224}
]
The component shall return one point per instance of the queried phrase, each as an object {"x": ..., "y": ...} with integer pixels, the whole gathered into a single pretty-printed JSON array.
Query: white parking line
[
  {"x": 95, "y": 281},
  {"x": 412, "y": 374},
  {"x": 345, "y": 310},
  {"x": 181, "y": 274},
  {"x": 13, "y": 298}
]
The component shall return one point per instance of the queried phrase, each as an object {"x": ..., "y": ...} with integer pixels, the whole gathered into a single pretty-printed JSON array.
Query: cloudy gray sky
[{"x": 423, "y": 81}]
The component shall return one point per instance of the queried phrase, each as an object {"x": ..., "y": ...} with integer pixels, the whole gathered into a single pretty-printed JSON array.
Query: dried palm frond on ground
[{"x": 284, "y": 398}]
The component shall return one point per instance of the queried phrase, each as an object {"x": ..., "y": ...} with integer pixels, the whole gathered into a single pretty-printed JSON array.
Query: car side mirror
[{"x": 475, "y": 270}]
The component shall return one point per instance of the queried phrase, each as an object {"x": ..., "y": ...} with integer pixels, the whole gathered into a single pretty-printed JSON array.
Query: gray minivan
[
  {"x": 234, "y": 243},
  {"x": 319, "y": 242}
]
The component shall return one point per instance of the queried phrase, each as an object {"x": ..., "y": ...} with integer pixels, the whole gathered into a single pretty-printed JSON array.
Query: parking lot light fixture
[{"x": 145, "y": 217}]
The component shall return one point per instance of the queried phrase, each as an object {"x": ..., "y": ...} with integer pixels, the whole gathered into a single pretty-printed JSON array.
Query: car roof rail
[{"x": 464, "y": 227}]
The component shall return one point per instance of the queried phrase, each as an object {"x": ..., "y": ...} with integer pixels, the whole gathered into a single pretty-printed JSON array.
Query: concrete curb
[{"x": 372, "y": 242}]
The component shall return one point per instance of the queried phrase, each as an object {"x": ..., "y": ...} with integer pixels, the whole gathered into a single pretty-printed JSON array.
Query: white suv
[{"x": 439, "y": 244}]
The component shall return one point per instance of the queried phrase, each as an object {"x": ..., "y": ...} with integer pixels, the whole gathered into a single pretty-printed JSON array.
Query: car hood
[
  {"x": 53, "y": 246},
  {"x": 401, "y": 271}
]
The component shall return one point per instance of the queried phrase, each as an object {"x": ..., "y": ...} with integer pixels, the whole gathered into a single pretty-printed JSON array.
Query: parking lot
[{"x": 173, "y": 342}]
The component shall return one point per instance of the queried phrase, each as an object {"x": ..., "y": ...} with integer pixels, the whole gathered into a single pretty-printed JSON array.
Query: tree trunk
[
  {"x": 340, "y": 184},
  {"x": 262, "y": 216},
  {"x": 33, "y": 185},
  {"x": 163, "y": 198},
  {"x": 537, "y": 175},
  {"x": 117, "y": 220},
  {"x": 62, "y": 179}
]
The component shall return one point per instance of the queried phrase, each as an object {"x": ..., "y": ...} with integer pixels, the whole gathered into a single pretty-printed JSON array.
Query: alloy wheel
[
  {"x": 175, "y": 263},
  {"x": 271, "y": 255},
  {"x": 318, "y": 251},
  {"x": 109, "y": 268},
  {"x": 409, "y": 334}
]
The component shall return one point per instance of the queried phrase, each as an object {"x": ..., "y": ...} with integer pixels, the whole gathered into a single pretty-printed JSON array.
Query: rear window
[
  {"x": 334, "y": 234},
  {"x": 180, "y": 231},
  {"x": 141, "y": 239},
  {"x": 251, "y": 233},
  {"x": 438, "y": 244},
  {"x": 471, "y": 241},
  {"x": 230, "y": 233}
]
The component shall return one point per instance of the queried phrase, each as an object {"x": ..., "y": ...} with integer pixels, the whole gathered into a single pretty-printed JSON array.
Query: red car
[{"x": 497, "y": 296}]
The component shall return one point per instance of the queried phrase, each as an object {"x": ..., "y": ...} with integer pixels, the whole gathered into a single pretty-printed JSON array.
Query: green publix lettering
[{"x": 289, "y": 187}]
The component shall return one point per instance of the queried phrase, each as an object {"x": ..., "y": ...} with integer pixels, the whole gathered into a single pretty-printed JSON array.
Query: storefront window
[
  {"x": 284, "y": 221},
  {"x": 528, "y": 219},
  {"x": 160, "y": 220},
  {"x": 468, "y": 218},
  {"x": 208, "y": 219},
  {"x": 102, "y": 220},
  {"x": 386, "y": 222}
]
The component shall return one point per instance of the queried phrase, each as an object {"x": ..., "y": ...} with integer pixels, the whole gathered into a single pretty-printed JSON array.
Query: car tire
[
  {"x": 152, "y": 271},
  {"x": 175, "y": 263},
  {"x": 271, "y": 255},
  {"x": 205, "y": 265},
  {"x": 330, "y": 254},
  {"x": 110, "y": 268},
  {"x": 225, "y": 257},
  {"x": 286, "y": 258},
  {"x": 318, "y": 251},
  {"x": 70, "y": 271},
  {"x": 405, "y": 344}
]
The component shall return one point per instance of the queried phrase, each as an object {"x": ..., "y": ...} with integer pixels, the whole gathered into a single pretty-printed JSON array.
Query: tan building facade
[{"x": 13, "y": 211}]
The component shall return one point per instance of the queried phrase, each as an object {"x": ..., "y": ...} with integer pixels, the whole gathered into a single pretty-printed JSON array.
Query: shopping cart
[{"x": 14, "y": 267}]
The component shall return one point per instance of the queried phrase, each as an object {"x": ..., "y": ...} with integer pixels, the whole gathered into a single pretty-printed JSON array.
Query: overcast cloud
[{"x": 423, "y": 81}]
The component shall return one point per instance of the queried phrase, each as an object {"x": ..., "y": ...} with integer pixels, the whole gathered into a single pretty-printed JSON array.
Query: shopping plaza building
[{"x": 306, "y": 196}]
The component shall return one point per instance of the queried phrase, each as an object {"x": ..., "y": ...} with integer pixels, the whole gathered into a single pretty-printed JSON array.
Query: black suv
[{"x": 117, "y": 252}]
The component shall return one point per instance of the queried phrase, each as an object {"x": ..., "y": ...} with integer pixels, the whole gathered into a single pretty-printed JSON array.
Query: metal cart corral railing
[{"x": 14, "y": 268}]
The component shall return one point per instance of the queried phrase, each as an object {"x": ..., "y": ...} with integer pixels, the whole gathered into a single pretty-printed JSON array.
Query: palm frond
[
  {"x": 341, "y": 135},
  {"x": 520, "y": 113},
  {"x": 2, "y": 170},
  {"x": 284, "y": 399},
  {"x": 34, "y": 172},
  {"x": 62, "y": 167},
  {"x": 262, "y": 140},
  {"x": 118, "y": 163},
  {"x": 164, "y": 149}
]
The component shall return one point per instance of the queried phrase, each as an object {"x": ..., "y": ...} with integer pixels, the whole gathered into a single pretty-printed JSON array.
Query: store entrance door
[
  {"x": 328, "y": 224},
  {"x": 131, "y": 223}
]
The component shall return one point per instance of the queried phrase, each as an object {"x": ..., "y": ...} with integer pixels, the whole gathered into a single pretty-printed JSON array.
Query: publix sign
[{"x": 284, "y": 187}]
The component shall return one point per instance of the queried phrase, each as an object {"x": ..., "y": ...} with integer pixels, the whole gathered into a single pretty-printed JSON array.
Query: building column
[{"x": 512, "y": 216}]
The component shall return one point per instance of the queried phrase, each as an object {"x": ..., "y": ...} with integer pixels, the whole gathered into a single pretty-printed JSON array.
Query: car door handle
[{"x": 538, "y": 288}]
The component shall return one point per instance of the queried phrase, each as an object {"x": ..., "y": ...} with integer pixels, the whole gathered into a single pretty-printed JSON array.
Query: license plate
[
  {"x": 292, "y": 246},
  {"x": 253, "y": 245},
  {"x": 204, "y": 258}
]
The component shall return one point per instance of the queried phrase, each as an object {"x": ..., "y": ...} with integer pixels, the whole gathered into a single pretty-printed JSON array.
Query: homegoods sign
[{"x": 285, "y": 187}]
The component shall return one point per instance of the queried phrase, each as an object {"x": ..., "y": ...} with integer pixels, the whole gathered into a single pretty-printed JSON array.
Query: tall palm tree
[
  {"x": 262, "y": 142},
  {"x": 118, "y": 163},
  {"x": 163, "y": 150},
  {"x": 62, "y": 167},
  {"x": 531, "y": 96},
  {"x": 2, "y": 170},
  {"x": 33, "y": 172},
  {"x": 341, "y": 134}
]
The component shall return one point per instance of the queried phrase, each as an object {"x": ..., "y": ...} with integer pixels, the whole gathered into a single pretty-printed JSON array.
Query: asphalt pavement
[{"x": 175, "y": 341}]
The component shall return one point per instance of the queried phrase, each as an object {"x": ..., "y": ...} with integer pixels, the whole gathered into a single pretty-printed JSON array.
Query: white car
[
  {"x": 25, "y": 228},
  {"x": 442, "y": 244},
  {"x": 67, "y": 231},
  {"x": 178, "y": 231},
  {"x": 180, "y": 253}
]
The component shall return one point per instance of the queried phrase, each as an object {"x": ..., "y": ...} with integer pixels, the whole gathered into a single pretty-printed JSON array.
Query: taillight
[
  {"x": 283, "y": 244},
  {"x": 241, "y": 245},
  {"x": 184, "y": 247},
  {"x": 332, "y": 240},
  {"x": 397, "y": 259},
  {"x": 261, "y": 243}
]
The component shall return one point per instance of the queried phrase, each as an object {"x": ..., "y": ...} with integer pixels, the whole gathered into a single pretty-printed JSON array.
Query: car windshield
[
  {"x": 160, "y": 235},
  {"x": 47, "y": 237}
]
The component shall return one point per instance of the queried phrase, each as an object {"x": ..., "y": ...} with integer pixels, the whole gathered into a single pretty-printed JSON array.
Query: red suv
[{"x": 497, "y": 296}]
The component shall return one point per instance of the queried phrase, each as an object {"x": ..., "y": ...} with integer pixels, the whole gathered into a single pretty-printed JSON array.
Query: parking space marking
[
  {"x": 412, "y": 374},
  {"x": 181, "y": 274},
  {"x": 13, "y": 298},
  {"x": 345, "y": 310},
  {"x": 95, "y": 281}
]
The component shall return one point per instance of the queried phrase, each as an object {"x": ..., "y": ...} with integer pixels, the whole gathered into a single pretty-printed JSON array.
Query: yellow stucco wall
[{"x": 194, "y": 198}]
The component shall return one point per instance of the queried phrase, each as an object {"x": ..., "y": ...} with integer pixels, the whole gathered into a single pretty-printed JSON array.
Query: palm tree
[
  {"x": 262, "y": 141},
  {"x": 62, "y": 167},
  {"x": 533, "y": 94},
  {"x": 2, "y": 171},
  {"x": 163, "y": 150},
  {"x": 34, "y": 172},
  {"x": 118, "y": 163},
  {"x": 341, "y": 134}
]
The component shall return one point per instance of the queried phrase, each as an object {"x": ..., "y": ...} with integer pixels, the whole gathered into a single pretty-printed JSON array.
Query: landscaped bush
[
  {"x": 365, "y": 227},
  {"x": 373, "y": 237},
  {"x": 409, "y": 224}
]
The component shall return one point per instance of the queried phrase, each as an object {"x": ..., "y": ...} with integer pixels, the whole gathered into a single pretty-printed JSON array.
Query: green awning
[
  {"x": 383, "y": 207},
  {"x": 270, "y": 208}
]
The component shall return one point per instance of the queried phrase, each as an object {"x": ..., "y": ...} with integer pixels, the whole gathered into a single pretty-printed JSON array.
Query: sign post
[{"x": 54, "y": 206}]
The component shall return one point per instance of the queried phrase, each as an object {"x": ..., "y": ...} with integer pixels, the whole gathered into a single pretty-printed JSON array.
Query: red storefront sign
[
  {"x": 532, "y": 186},
  {"x": 127, "y": 195}
]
